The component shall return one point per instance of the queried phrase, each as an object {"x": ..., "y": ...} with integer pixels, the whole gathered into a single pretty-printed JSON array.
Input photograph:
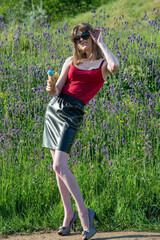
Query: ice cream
[{"x": 52, "y": 74}]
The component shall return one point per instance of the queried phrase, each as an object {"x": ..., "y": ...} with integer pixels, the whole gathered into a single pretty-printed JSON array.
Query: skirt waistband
[{"x": 72, "y": 100}]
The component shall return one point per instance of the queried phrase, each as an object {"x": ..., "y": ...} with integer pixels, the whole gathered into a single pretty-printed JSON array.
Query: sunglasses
[{"x": 84, "y": 35}]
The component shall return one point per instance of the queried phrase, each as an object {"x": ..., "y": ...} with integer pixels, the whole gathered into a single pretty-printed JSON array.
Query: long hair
[{"x": 79, "y": 55}]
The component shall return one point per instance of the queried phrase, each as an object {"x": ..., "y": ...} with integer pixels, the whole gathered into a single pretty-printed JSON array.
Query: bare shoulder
[
  {"x": 69, "y": 60},
  {"x": 105, "y": 71},
  {"x": 67, "y": 64},
  {"x": 104, "y": 62}
]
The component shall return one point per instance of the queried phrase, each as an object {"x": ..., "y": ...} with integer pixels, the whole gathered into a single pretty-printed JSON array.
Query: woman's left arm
[{"x": 112, "y": 63}]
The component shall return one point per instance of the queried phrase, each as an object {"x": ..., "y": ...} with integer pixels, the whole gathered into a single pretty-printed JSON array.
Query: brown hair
[{"x": 78, "y": 55}]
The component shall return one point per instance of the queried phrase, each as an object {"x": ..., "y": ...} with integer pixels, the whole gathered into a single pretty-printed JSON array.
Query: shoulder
[
  {"x": 69, "y": 61},
  {"x": 104, "y": 69},
  {"x": 103, "y": 62}
]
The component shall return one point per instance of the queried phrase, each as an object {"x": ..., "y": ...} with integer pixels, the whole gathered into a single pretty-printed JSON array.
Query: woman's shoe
[
  {"x": 88, "y": 234},
  {"x": 66, "y": 230},
  {"x": 92, "y": 231}
]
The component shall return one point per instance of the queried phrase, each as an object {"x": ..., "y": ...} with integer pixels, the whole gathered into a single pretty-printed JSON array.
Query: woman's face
[{"x": 84, "y": 45}]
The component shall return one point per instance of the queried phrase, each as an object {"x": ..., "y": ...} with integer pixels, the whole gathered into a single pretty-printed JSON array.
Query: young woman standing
[{"x": 81, "y": 78}]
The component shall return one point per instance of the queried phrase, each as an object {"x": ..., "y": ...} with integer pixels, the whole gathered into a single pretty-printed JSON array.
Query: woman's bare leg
[
  {"x": 61, "y": 169},
  {"x": 65, "y": 195}
]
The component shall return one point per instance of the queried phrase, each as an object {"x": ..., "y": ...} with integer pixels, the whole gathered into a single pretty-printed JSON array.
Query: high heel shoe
[
  {"x": 92, "y": 231},
  {"x": 66, "y": 230}
]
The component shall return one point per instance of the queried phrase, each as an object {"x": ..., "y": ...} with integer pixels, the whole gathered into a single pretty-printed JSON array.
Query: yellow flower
[
  {"x": 3, "y": 95},
  {"x": 117, "y": 117}
]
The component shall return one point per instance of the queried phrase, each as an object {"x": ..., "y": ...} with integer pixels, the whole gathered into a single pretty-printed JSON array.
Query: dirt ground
[{"x": 99, "y": 236}]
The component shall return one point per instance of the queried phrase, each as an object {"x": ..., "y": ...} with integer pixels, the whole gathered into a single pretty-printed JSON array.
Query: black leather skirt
[{"x": 63, "y": 118}]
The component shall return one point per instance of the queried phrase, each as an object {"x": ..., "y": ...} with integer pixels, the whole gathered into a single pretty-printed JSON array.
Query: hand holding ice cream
[{"x": 52, "y": 78}]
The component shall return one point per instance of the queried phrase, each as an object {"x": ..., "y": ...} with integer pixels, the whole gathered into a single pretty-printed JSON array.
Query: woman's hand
[
  {"x": 96, "y": 36},
  {"x": 50, "y": 88}
]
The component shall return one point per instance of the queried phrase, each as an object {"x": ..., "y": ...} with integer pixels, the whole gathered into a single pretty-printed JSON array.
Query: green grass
[
  {"x": 132, "y": 11},
  {"x": 115, "y": 158}
]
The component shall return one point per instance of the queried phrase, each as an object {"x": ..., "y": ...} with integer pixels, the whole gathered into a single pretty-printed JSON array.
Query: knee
[
  {"x": 60, "y": 166},
  {"x": 57, "y": 168}
]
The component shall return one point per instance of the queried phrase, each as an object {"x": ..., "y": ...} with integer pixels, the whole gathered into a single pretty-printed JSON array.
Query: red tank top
[{"x": 83, "y": 84}]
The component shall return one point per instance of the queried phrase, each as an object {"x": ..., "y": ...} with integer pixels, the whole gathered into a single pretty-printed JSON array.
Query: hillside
[{"x": 132, "y": 11}]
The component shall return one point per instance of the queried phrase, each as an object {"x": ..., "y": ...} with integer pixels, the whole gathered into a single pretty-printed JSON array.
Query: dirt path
[{"x": 99, "y": 236}]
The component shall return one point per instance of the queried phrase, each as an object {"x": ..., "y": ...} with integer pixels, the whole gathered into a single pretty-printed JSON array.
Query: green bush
[{"x": 26, "y": 10}]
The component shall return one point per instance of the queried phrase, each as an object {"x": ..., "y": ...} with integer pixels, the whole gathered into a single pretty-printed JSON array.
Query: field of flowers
[{"x": 115, "y": 157}]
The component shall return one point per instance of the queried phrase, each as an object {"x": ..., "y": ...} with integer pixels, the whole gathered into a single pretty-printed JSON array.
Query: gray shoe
[
  {"x": 92, "y": 231},
  {"x": 66, "y": 230},
  {"x": 88, "y": 234}
]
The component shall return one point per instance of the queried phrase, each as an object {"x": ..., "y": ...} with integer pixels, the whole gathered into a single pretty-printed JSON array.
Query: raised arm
[
  {"x": 111, "y": 64},
  {"x": 57, "y": 88}
]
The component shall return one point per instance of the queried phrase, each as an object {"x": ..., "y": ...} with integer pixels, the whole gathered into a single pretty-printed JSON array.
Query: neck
[{"x": 88, "y": 53}]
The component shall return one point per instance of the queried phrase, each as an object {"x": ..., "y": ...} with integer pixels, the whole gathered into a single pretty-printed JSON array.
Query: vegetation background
[
  {"x": 52, "y": 10},
  {"x": 115, "y": 157}
]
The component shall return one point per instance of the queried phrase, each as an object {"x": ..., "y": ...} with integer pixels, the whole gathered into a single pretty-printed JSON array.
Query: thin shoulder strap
[{"x": 101, "y": 63}]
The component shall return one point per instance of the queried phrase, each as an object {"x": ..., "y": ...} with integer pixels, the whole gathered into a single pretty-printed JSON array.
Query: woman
[{"x": 81, "y": 78}]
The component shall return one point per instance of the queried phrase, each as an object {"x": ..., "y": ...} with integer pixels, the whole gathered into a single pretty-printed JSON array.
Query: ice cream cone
[{"x": 52, "y": 80}]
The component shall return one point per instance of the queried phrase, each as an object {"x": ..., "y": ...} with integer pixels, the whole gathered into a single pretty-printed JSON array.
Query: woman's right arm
[{"x": 57, "y": 88}]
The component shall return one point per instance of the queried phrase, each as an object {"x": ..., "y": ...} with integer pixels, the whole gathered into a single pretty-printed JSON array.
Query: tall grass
[{"x": 115, "y": 157}]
